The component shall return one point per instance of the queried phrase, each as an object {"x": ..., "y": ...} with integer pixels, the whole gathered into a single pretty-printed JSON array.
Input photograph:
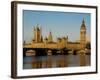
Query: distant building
[{"x": 39, "y": 42}]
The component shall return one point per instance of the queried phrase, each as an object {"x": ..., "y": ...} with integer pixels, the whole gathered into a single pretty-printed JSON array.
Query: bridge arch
[
  {"x": 30, "y": 53},
  {"x": 49, "y": 52}
]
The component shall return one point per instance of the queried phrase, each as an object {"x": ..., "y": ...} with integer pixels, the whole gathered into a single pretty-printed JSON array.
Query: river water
[{"x": 53, "y": 61}]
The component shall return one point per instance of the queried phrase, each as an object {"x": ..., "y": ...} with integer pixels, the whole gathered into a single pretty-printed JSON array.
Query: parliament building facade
[{"x": 39, "y": 42}]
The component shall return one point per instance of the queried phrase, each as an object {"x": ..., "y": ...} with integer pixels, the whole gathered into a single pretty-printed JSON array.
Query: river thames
[{"x": 54, "y": 61}]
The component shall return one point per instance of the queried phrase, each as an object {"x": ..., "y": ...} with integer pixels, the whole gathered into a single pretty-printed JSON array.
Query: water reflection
[
  {"x": 82, "y": 60},
  {"x": 53, "y": 61},
  {"x": 61, "y": 61}
]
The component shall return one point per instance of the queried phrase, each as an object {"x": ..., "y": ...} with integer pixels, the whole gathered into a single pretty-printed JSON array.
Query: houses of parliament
[{"x": 62, "y": 42}]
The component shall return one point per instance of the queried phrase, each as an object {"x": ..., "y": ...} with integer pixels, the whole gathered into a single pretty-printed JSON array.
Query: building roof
[
  {"x": 74, "y": 42},
  {"x": 52, "y": 42},
  {"x": 83, "y": 26}
]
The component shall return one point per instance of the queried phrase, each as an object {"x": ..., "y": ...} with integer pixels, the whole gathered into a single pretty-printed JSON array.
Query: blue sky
[{"x": 59, "y": 23}]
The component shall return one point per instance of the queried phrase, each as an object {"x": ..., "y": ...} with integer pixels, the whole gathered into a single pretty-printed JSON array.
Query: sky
[{"x": 61, "y": 24}]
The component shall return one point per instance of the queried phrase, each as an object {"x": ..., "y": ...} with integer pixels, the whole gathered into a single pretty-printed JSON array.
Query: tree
[{"x": 88, "y": 45}]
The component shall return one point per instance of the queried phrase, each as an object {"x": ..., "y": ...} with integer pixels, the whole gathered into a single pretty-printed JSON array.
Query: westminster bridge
[{"x": 48, "y": 51}]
